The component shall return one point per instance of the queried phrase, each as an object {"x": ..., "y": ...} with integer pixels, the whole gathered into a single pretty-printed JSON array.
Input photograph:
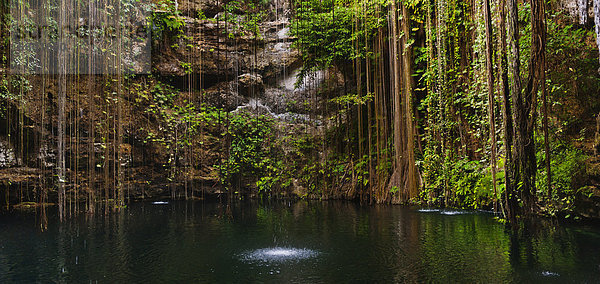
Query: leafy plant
[
  {"x": 326, "y": 31},
  {"x": 250, "y": 153},
  {"x": 166, "y": 19}
]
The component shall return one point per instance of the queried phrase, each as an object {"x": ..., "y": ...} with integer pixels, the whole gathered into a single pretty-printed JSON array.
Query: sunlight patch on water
[
  {"x": 160, "y": 202},
  {"x": 277, "y": 254}
]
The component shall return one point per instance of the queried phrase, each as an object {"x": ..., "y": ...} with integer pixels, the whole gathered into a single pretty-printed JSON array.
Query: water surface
[{"x": 292, "y": 242}]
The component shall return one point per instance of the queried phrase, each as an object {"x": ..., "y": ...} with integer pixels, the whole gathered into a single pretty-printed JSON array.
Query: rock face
[
  {"x": 241, "y": 70},
  {"x": 7, "y": 154},
  {"x": 224, "y": 95},
  {"x": 581, "y": 11},
  {"x": 250, "y": 84},
  {"x": 220, "y": 49},
  {"x": 209, "y": 8},
  {"x": 231, "y": 70}
]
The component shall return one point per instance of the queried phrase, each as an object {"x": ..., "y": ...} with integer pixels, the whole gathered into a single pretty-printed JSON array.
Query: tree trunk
[
  {"x": 538, "y": 75},
  {"x": 398, "y": 145},
  {"x": 490, "y": 81},
  {"x": 521, "y": 182},
  {"x": 536, "y": 83},
  {"x": 506, "y": 109},
  {"x": 411, "y": 179}
]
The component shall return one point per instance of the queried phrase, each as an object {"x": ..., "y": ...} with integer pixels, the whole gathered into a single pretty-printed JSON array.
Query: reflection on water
[{"x": 291, "y": 242}]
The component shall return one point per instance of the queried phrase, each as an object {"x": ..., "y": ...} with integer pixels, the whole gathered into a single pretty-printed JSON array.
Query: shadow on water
[{"x": 305, "y": 241}]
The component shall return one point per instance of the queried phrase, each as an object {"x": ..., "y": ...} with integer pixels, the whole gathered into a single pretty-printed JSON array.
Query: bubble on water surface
[{"x": 277, "y": 254}]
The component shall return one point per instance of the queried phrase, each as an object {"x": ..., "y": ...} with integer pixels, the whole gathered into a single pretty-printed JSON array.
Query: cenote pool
[{"x": 292, "y": 242}]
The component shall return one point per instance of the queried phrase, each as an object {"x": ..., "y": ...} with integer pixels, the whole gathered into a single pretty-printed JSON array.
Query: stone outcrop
[{"x": 222, "y": 50}]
